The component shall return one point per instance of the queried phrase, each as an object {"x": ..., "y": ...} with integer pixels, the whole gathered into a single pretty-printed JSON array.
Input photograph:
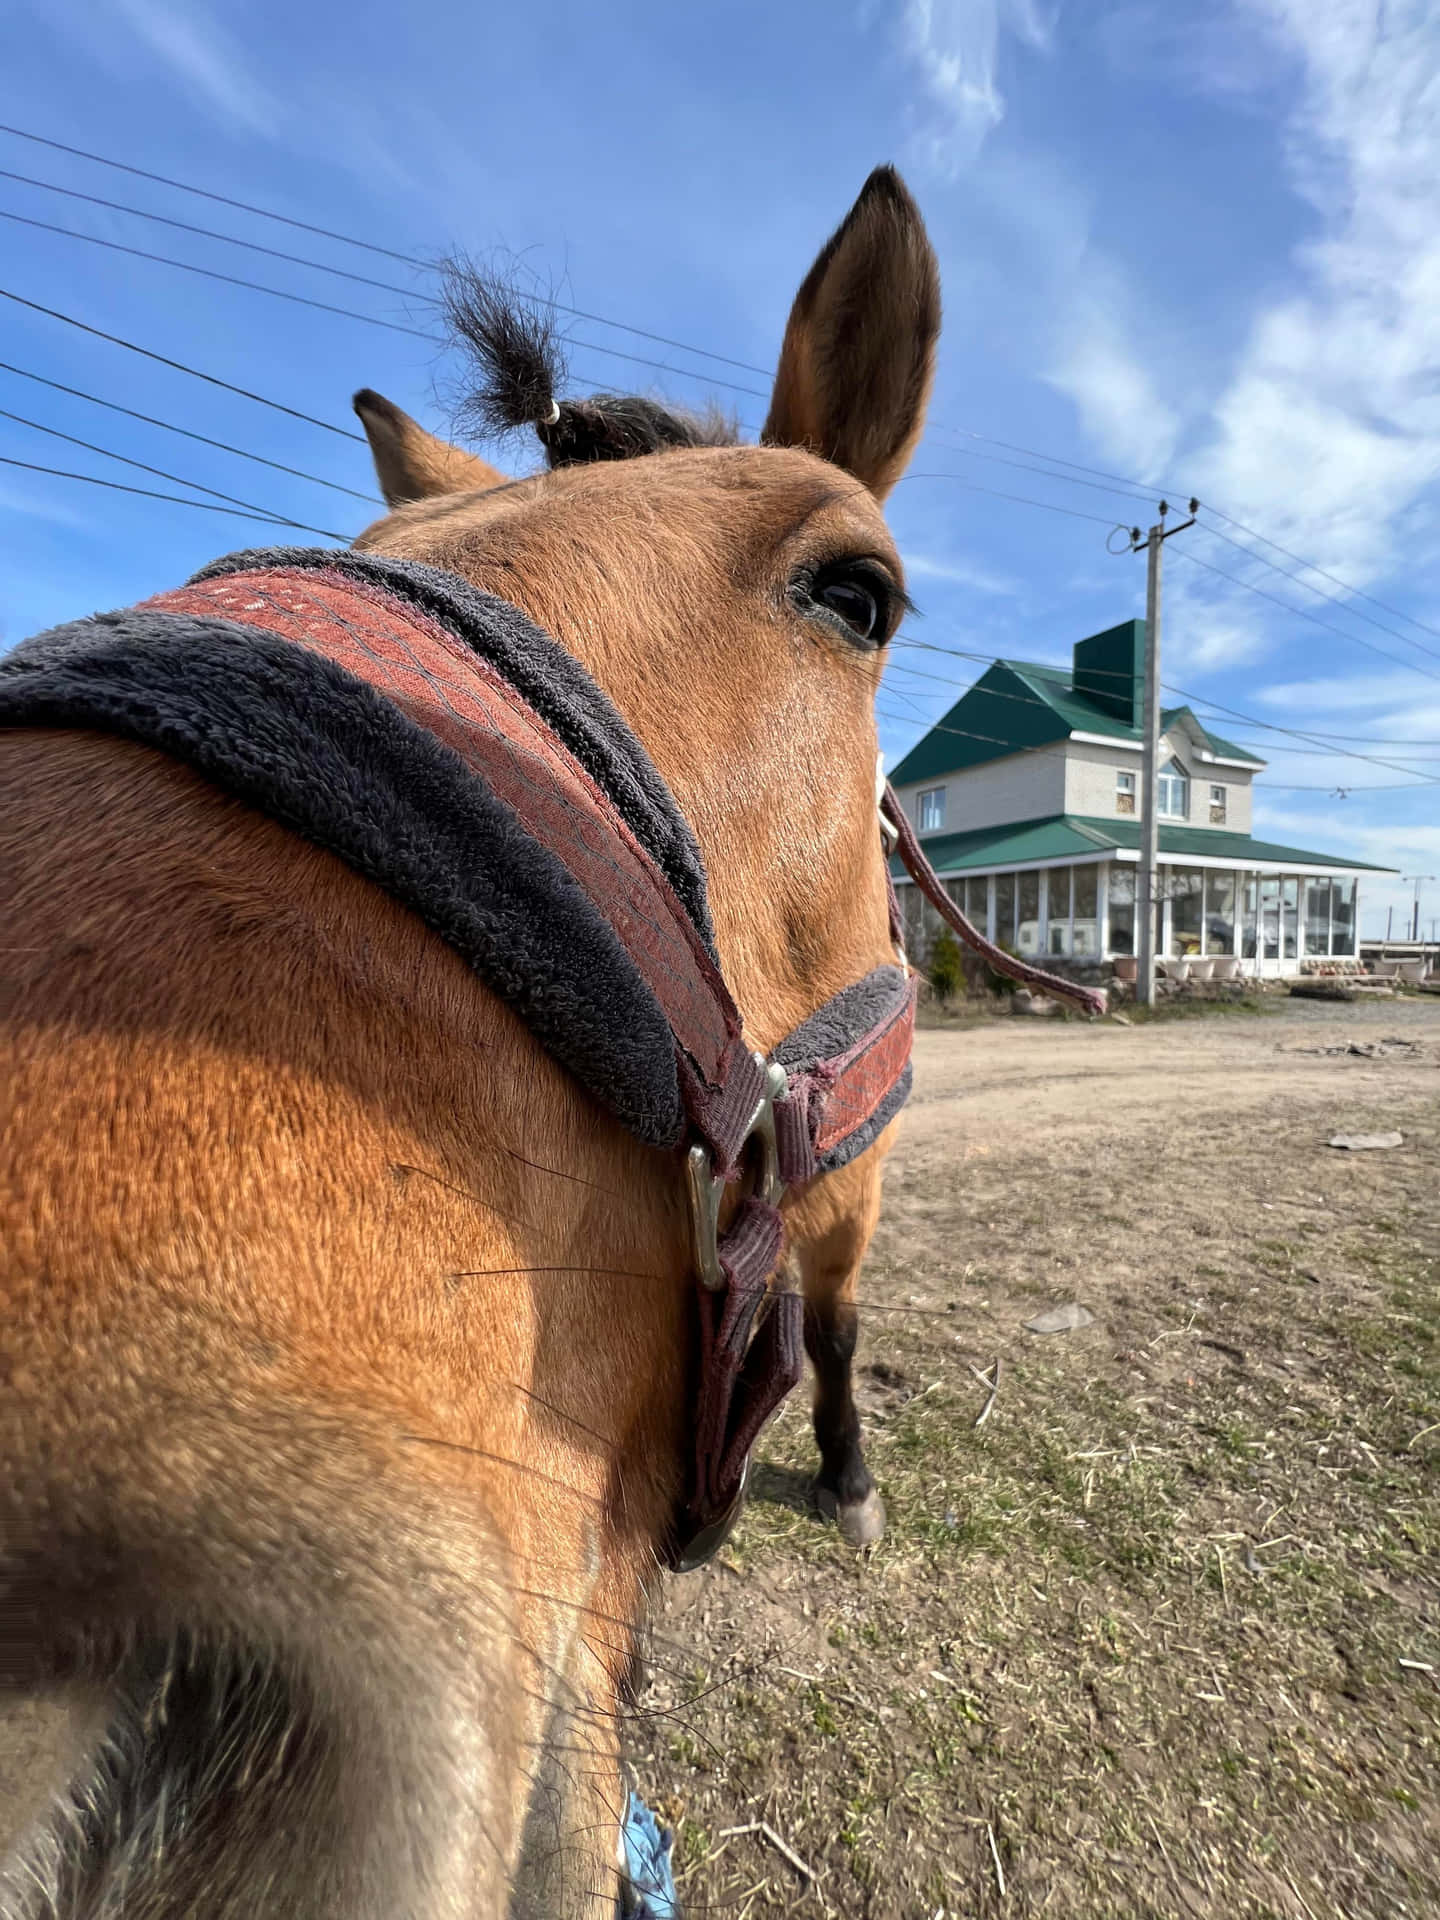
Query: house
[{"x": 1026, "y": 797}]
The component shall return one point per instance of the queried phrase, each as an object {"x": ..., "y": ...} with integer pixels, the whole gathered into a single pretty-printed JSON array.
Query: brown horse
[{"x": 345, "y": 1340}]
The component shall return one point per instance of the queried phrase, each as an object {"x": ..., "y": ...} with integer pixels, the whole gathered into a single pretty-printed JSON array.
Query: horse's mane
[{"x": 517, "y": 371}]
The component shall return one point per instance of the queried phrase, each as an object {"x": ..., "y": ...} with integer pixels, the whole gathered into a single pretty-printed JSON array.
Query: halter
[{"x": 454, "y": 754}]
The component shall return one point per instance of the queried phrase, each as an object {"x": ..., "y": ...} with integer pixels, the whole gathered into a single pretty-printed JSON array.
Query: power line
[
  {"x": 326, "y": 306},
  {"x": 1122, "y": 483},
  {"x": 180, "y": 366},
  {"x": 1098, "y": 486},
  {"x": 213, "y": 273},
  {"x": 1333, "y": 599},
  {"x": 1196, "y": 699},
  {"x": 1357, "y": 593},
  {"x": 973, "y": 486},
  {"x": 1303, "y": 613},
  {"x": 148, "y": 493},
  {"x": 169, "y": 426},
  {"x": 370, "y": 246},
  {"x": 340, "y": 273},
  {"x": 108, "y": 453},
  {"x": 1032, "y": 700}
]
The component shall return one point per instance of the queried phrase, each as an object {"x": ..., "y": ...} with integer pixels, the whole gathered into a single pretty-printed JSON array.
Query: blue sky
[{"x": 1198, "y": 253}]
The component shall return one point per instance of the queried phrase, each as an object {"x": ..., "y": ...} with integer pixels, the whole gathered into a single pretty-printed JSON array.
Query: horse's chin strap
[{"x": 824, "y": 1095}]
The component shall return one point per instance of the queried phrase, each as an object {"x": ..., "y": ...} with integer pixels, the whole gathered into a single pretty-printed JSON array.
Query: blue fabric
[{"x": 649, "y": 1892}]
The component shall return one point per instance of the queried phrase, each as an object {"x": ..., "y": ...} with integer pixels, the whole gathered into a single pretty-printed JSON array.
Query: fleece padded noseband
[{"x": 446, "y": 748}]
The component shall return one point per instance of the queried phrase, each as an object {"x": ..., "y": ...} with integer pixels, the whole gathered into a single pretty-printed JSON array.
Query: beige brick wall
[
  {"x": 1024, "y": 786},
  {"x": 1090, "y": 783}
]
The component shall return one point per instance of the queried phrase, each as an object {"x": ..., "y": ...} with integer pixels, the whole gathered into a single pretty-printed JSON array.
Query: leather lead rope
[{"x": 1091, "y": 999}]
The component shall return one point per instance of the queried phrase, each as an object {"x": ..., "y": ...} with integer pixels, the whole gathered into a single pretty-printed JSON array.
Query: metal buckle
[
  {"x": 705, "y": 1544},
  {"x": 707, "y": 1187}
]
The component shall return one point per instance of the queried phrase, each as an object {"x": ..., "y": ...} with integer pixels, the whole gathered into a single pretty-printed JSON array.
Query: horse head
[{"x": 346, "y": 1339}]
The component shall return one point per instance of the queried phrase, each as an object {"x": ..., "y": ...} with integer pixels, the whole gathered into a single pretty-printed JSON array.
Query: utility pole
[
  {"x": 1149, "y": 889},
  {"x": 1419, "y": 880}
]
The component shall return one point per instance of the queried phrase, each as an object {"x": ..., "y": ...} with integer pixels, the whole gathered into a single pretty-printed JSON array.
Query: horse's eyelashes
[{"x": 856, "y": 593}]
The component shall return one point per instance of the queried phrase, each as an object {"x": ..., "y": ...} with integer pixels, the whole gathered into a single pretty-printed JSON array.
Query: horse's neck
[{"x": 317, "y": 1181}]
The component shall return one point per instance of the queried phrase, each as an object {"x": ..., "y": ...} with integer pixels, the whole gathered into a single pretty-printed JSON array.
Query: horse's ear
[
  {"x": 859, "y": 355},
  {"x": 412, "y": 464}
]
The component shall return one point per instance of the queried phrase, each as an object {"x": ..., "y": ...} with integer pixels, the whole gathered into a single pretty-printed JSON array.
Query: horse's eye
[
  {"x": 854, "y": 602},
  {"x": 859, "y": 595}
]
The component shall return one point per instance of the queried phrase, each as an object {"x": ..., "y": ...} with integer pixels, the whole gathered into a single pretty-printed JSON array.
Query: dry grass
[{"x": 1136, "y": 1646}]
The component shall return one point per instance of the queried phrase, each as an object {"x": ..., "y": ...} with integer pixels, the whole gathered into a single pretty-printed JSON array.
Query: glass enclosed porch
[{"x": 1270, "y": 920}]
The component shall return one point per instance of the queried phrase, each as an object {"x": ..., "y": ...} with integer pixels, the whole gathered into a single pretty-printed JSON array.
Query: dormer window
[
  {"x": 1124, "y": 793},
  {"x": 1172, "y": 792},
  {"x": 1217, "y": 806},
  {"x": 930, "y": 809}
]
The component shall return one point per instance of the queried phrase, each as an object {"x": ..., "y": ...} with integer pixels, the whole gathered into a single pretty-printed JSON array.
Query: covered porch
[{"x": 1255, "y": 909}]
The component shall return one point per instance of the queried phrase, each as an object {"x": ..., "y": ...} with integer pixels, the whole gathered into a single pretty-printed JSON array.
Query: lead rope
[{"x": 1091, "y": 999}]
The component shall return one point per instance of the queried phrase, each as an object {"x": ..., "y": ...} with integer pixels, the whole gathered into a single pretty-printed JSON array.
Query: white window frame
[
  {"x": 1219, "y": 797},
  {"x": 934, "y": 795},
  {"x": 1125, "y": 785},
  {"x": 1171, "y": 776}
]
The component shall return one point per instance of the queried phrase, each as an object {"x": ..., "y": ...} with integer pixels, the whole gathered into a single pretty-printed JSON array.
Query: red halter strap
[{"x": 820, "y": 1100}]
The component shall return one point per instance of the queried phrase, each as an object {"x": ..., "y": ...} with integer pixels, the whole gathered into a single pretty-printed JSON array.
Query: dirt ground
[{"x": 1162, "y": 1635}]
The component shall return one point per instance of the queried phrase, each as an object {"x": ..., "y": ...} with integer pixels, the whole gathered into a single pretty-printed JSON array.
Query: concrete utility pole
[
  {"x": 1149, "y": 888},
  {"x": 1419, "y": 880}
]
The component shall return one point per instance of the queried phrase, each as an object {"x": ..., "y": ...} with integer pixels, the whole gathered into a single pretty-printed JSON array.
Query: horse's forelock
[{"x": 518, "y": 369}]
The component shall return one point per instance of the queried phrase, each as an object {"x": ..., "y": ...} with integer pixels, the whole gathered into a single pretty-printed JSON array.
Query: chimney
[{"x": 1110, "y": 670}]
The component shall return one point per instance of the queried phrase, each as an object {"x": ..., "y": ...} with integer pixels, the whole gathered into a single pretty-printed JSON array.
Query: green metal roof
[
  {"x": 1019, "y": 704},
  {"x": 1071, "y": 836}
]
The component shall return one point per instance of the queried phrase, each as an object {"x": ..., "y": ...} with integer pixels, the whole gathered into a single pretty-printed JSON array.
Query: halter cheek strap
[{"x": 456, "y": 756}]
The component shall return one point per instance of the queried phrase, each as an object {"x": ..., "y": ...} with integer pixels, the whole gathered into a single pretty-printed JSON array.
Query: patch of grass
[{"x": 1144, "y": 1628}]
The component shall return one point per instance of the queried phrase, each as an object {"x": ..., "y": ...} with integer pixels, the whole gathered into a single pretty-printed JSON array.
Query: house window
[
  {"x": 1122, "y": 908},
  {"x": 1173, "y": 792},
  {"x": 1125, "y": 793},
  {"x": 1217, "y": 806},
  {"x": 930, "y": 809}
]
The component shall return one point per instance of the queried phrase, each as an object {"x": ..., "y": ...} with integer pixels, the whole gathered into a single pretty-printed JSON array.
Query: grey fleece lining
[
  {"x": 321, "y": 752},
  {"x": 552, "y": 680}
]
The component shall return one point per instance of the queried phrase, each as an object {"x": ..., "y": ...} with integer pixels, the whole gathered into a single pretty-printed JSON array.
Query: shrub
[{"x": 946, "y": 972}]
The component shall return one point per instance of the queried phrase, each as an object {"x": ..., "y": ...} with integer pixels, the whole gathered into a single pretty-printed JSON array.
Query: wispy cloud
[
  {"x": 1098, "y": 368},
  {"x": 1344, "y": 693},
  {"x": 959, "y": 572},
  {"x": 1329, "y": 430},
  {"x": 953, "y": 48},
  {"x": 205, "y": 56}
]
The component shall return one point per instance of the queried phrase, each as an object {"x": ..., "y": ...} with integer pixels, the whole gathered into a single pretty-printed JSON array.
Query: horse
[{"x": 346, "y": 1338}]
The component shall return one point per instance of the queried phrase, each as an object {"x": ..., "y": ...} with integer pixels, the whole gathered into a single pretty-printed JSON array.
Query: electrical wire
[
  {"x": 180, "y": 366},
  {"x": 1303, "y": 613},
  {"x": 1195, "y": 699},
  {"x": 1121, "y": 483},
  {"x": 160, "y": 473},
  {"x": 320, "y": 266},
  {"x": 370, "y": 246},
  {"x": 148, "y": 493},
  {"x": 189, "y": 433}
]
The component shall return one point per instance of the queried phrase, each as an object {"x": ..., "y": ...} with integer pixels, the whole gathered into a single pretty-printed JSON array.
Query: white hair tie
[{"x": 553, "y": 415}]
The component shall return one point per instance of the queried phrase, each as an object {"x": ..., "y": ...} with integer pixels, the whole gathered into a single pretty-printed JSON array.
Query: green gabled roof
[
  {"x": 1016, "y": 705},
  {"x": 1071, "y": 836}
]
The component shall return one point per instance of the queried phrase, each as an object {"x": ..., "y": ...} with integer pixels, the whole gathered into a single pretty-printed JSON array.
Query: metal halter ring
[{"x": 707, "y": 1187}]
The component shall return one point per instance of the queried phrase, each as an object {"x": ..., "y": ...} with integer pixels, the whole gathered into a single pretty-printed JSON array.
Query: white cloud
[
  {"x": 1097, "y": 367},
  {"x": 953, "y": 47},
  {"x": 1344, "y": 692},
  {"x": 211, "y": 63},
  {"x": 1329, "y": 431},
  {"x": 36, "y": 507},
  {"x": 959, "y": 572}
]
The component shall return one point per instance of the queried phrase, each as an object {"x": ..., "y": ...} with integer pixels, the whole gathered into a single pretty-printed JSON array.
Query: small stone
[
  {"x": 1367, "y": 1142},
  {"x": 1061, "y": 1319}
]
